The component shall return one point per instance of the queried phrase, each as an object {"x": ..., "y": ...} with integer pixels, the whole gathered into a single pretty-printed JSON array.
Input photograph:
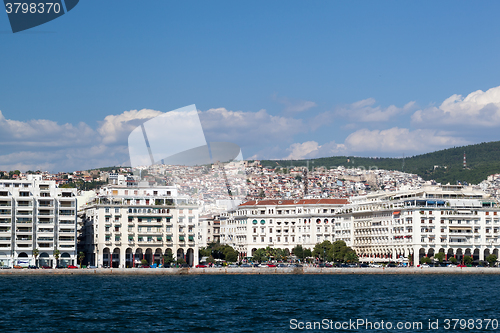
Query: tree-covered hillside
[{"x": 444, "y": 166}]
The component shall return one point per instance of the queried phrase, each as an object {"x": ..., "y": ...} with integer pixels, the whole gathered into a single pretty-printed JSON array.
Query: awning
[
  {"x": 181, "y": 238},
  {"x": 169, "y": 238},
  {"x": 158, "y": 238},
  {"x": 396, "y": 213},
  {"x": 255, "y": 222},
  {"x": 191, "y": 238},
  {"x": 460, "y": 228},
  {"x": 262, "y": 221}
]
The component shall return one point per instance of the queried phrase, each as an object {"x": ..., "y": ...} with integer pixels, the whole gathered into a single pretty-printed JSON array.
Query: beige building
[{"x": 124, "y": 225}]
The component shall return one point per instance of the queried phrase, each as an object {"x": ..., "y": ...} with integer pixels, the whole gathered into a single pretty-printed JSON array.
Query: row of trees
[
  {"x": 467, "y": 260},
  {"x": 220, "y": 252},
  {"x": 324, "y": 251}
]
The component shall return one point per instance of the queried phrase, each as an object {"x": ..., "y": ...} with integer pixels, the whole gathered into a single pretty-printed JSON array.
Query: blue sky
[{"x": 282, "y": 79}]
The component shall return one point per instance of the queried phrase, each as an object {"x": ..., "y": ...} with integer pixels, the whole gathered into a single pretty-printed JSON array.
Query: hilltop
[{"x": 444, "y": 166}]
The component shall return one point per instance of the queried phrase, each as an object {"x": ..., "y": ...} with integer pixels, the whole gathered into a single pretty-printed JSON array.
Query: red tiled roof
[{"x": 296, "y": 202}]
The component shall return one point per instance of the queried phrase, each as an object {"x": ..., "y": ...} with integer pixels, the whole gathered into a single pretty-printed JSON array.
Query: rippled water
[{"x": 236, "y": 303}]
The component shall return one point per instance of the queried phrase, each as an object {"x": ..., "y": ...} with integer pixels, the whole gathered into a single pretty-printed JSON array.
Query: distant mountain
[{"x": 444, "y": 166}]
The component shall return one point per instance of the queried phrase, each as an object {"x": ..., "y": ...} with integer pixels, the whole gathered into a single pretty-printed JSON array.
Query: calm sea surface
[{"x": 243, "y": 303}]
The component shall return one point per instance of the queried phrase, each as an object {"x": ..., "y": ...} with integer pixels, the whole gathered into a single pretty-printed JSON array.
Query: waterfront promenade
[{"x": 253, "y": 270}]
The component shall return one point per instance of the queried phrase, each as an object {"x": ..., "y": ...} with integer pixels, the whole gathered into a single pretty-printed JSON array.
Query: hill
[{"x": 444, "y": 166}]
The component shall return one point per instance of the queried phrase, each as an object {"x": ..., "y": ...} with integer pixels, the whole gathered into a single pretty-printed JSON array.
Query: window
[
  {"x": 106, "y": 210},
  {"x": 117, "y": 210}
]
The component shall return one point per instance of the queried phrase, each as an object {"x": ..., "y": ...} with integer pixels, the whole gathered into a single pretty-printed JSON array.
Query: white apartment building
[
  {"x": 279, "y": 224},
  {"x": 35, "y": 214},
  {"x": 455, "y": 220},
  {"x": 124, "y": 225}
]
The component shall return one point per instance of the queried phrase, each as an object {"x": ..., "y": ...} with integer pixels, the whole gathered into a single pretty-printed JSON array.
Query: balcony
[
  {"x": 5, "y": 212},
  {"x": 45, "y": 213}
]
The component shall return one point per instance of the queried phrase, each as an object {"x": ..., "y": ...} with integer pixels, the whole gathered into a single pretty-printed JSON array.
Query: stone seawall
[{"x": 250, "y": 270}]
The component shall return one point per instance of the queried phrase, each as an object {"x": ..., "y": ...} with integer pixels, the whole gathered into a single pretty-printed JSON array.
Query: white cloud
[
  {"x": 116, "y": 128},
  {"x": 479, "y": 109},
  {"x": 311, "y": 149},
  {"x": 294, "y": 106},
  {"x": 46, "y": 145},
  {"x": 248, "y": 128},
  {"x": 400, "y": 140},
  {"x": 365, "y": 111}
]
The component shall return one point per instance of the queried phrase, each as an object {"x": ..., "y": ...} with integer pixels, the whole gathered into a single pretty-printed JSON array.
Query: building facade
[
  {"x": 125, "y": 225},
  {"x": 279, "y": 224},
  {"x": 454, "y": 220},
  {"x": 37, "y": 223}
]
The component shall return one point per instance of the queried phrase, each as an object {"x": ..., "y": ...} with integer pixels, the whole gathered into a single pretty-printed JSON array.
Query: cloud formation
[
  {"x": 293, "y": 105},
  {"x": 479, "y": 109},
  {"x": 366, "y": 111}
]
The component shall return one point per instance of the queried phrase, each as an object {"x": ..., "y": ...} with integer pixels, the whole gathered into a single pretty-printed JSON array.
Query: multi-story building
[
  {"x": 382, "y": 226},
  {"x": 455, "y": 220},
  {"x": 37, "y": 223},
  {"x": 124, "y": 225},
  {"x": 279, "y": 224}
]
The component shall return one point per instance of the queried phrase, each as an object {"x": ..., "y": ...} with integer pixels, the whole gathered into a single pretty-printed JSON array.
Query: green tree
[
  {"x": 180, "y": 261},
  {"x": 425, "y": 260},
  {"x": 205, "y": 252},
  {"x": 298, "y": 251},
  {"x": 56, "y": 254},
  {"x": 351, "y": 257},
  {"x": 259, "y": 255},
  {"x": 211, "y": 260},
  {"x": 339, "y": 250},
  {"x": 439, "y": 256},
  {"x": 81, "y": 256},
  {"x": 168, "y": 258},
  {"x": 453, "y": 260},
  {"x": 36, "y": 252},
  {"x": 144, "y": 262},
  {"x": 307, "y": 253},
  {"x": 468, "y": 260},
  {"x": 323, "y": 250},
  {"x": 491, "y": 259}
]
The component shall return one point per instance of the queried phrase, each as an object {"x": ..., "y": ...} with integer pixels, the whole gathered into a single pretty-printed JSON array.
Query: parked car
[
  {"x": 18, "y": 267},
  {"x": 201, "y": 266},
  {"x": 144, "y": 266},
  {"x": 94, "y": 267},
  {"x": 391, "y": 265},
  {"x": 375, "y": 265},
  {"x": 46, "y": 267},
  {"x": 246, "y": 265},
  {"x": 297, "y": 265},
  {"x": 363, "y": 265},
  {"x": 5, "y": 267},
  {"x": 271, "y": 265},
  {"x": 424, "y": 266},
  {"x": 281, "y": 265},
  {"x": 60, "y": 266},
  {"x": 72, "y": 267},
  {"x": 461, "y": 265},
  {"x": 32, "y": 267}
]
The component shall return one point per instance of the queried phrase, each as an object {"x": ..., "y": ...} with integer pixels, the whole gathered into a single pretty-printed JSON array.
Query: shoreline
[{"x": 254, "y": 271}]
